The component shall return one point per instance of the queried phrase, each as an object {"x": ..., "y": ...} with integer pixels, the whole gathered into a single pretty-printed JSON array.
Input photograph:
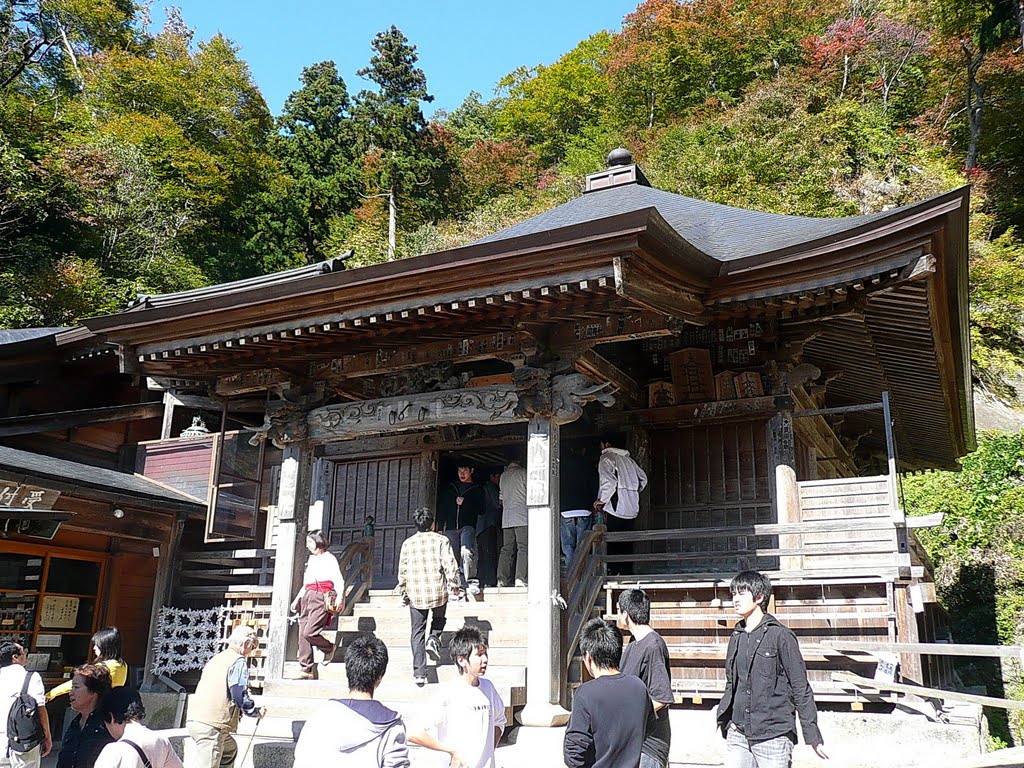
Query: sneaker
[
  {"x": 520, "y": 583},
  {"x": 433, "y": 649},
  {"x": 502, "y": 584},
  {"x": 305, "y": 676},
  {"x": 420, "y": 680},
  {"x": 474, "y": 587},
  {"x": 328, "y": 656}
]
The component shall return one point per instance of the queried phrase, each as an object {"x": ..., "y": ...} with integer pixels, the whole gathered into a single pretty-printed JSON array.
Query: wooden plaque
[{"x": 691, "y": 375}]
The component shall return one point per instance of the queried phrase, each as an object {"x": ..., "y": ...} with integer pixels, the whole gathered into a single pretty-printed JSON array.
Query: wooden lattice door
[{"x": 387, "y": 487}]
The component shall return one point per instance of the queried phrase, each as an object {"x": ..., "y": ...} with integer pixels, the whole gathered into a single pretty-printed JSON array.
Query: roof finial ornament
[{"x": 620, "y": 156}]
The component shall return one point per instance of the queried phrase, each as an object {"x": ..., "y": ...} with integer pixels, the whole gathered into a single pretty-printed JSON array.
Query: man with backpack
[{"x": 24, "y": 725}]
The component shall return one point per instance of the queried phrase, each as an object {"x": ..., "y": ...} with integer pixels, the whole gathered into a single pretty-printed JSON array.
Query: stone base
[{"x": 542, "y": 715}]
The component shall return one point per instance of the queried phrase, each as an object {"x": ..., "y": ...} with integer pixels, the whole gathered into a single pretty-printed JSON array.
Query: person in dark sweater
[
  {"x": 765, "y": 684},
  {"x": 612, "y": 713},
  {"x": 646, "y": 656},
  {"x": 460, "y": 505},
  {"x": 577, "y": 489}
]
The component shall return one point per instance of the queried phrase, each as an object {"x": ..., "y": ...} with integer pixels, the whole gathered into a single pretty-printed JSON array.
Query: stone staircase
[{"x": 500, "y": 613}]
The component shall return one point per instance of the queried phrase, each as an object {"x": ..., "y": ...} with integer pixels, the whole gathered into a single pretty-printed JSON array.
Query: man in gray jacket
[{"x": 359, "y": 731}]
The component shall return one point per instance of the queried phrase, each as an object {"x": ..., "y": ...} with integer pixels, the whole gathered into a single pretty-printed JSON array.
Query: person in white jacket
[
  {"x": 359, "y": 731},
  {"x": 620, "y": 482}
]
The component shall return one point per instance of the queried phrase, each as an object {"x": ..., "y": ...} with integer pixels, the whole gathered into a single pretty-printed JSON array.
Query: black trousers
[
  {"x": 619, "y": 525},
  {"x": 487, "y": 553},
  {"x": 417, "y": 638}
]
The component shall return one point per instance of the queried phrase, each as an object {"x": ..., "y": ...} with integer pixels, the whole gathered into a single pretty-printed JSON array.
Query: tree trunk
[
  {"x": 392, "y": 223},
  {"x": 975, "y": 107}
]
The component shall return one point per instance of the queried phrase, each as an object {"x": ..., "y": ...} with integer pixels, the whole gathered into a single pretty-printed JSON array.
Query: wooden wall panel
[
  {"x": 389, "y": 488},
  {"x": 710, "y": 476},
  {"x": 181, "y": 464},
  {"x": 130, "y": 605}
]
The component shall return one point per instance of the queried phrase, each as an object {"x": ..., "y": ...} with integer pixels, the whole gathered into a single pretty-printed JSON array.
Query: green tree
[
  {"x": 548, "y": 105},
  {"x": 316, "y": 147},
  {"x": 398, "y": 163}
]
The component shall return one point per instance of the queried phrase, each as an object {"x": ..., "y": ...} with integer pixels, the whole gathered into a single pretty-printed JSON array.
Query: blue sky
[{"x": 463, "y": 45}]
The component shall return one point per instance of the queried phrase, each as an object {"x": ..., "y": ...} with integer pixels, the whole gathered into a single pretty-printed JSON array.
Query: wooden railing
[
  {"x": 584, "y": 581},
  {"x": 872, "y": 539},
  {"x": 838, "y": 527},
  {"x": 356, "y": 563},
  {"x": 210, "y": 573}
]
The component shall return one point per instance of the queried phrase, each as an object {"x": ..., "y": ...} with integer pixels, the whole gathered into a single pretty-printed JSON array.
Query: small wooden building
[
  {"x": 83, "y": 540},
  {"x": 772, "y": 373}
]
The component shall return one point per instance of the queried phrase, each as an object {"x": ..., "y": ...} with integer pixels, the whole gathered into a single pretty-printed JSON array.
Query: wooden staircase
[
  {"x": 500, "y": 613},
  {"x": 696, "y": 620}
]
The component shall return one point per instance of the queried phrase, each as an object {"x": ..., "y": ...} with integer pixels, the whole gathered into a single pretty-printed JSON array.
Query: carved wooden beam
[
  {"x": 699, "y": 413},
  {"x": 616, "y": 326},
  {"x": 385, "y": 361},
  {"x": 599, "y": 368},
  {"x": 47, "y": 422},
  {"x": 480, "y": 405},
  {"x": 251, "y": 381}
]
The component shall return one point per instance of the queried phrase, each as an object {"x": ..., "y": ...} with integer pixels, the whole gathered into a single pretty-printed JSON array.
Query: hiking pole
[{"x": 252, "y": 736}]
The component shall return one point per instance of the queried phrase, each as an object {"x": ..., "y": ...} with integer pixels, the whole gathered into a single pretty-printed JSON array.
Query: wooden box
[
  {"x": 660, "y": 394},
  {"x": 691, "y": 375},
  {"x": 725, "y": 385},
  {"x": 748, "y": 384}
]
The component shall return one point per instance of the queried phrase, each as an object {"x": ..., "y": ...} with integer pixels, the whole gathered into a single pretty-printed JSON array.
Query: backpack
[{"x": 24, "y": 730}]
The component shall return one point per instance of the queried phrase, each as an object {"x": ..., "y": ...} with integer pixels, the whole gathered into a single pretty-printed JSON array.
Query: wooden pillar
[
  {"x": 785, "y": 491},
  {"x": 292, "y": 506},
  {"x": 906, "y": 632},
  {"x": 163, "y": 589},
  {"x": 545, "y": 670}
]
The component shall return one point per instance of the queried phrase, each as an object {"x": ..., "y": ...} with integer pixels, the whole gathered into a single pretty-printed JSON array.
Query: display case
[{"x": 50, "y": 603}]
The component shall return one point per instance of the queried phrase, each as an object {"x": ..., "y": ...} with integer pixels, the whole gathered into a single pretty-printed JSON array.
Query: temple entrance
[{"x": 387, "y": 488}]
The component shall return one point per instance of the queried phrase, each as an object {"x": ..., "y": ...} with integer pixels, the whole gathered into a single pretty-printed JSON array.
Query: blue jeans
[
  {"x": 571, "y": 531},
  {"x": 742, "y": 753},
  {"x": 463, "y": 541}
]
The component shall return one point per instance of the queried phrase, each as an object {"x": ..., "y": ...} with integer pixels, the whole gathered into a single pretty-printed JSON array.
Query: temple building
[{"x": 772, "y": 375}]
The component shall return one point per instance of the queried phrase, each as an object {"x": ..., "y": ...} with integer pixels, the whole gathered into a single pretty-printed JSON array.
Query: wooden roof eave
[
  {"x": 951, "y": 325},
  {"x": 784, "y": 260},
  {"x": 441, "y": 275}
]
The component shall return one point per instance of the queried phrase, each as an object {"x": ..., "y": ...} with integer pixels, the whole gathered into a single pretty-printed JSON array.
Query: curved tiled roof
[
  {"x": 14, "y": 335},
  {"x": 721, "y": 231}
]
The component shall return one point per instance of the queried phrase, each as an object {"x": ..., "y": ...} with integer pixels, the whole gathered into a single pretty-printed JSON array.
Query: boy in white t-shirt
[{"x": 466, "y": 718}]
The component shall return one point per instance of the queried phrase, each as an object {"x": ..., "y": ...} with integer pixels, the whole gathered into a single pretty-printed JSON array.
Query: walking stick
[{"x": 248, "y": 746}]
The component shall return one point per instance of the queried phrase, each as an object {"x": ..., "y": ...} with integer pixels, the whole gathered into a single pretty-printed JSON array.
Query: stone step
[
  {"x": 455, "y": 611},
  {"x": 333, "y": 682},
  {"x": 396, "y": 633},
  {"x": 402, "y": 669},
  {"x": 487, "y": 595},
  {"x": 400, "y": 655}
]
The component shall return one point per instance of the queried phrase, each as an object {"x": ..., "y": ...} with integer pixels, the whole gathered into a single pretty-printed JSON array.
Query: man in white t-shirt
[
  {"x": 466, "y": 718},
  {"x": 13, "y": 658}
]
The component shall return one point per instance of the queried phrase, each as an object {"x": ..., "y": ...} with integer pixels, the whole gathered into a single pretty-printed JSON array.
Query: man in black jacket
[
  {"x": 460, "y": 505},
  {"x": 765, "y": 684}
]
